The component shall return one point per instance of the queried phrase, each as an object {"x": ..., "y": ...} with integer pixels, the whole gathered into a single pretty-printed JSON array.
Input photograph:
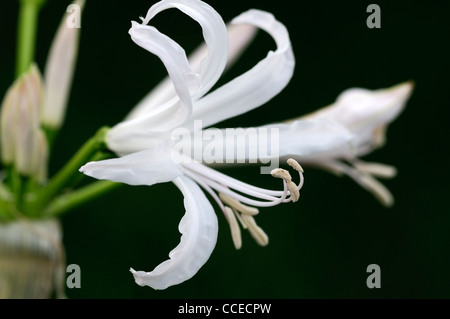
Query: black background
[{"x": 319, "y": 247}]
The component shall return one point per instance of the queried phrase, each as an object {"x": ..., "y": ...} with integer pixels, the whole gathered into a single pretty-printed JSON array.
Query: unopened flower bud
[
  {"x": 59, "y": 72},
  {"x": 21, "y": 136}
]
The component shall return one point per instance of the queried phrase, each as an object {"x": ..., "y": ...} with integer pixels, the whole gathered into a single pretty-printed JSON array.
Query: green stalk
[
  {"x": 16, "y": 184},
  {"x": 26, "y": 34},
  {"x": 76, "y": 198},
  {"x": 3, "y": 203},
  {"x": 68, "y": 173}
]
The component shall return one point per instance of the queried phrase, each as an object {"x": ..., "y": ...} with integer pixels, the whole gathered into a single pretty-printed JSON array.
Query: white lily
[{"x": 145, "y": 141}]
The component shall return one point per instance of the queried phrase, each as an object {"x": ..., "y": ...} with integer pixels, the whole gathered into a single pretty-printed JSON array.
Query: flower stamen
[
  {"x": 235, "y": 204},
  {"x": 256, "y": 232},
  {"x": 376, "y": 169},
  {"x": 239, "y": 201},
  {"x": 364, "y": 174},
  {"x": 234, "y": 227},
  {"x": 287, "y": 178},
  {"x": 295, "y": 165}
]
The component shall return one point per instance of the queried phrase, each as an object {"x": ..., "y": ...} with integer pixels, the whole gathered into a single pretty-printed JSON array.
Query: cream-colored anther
[
  {"x": 281, "y": 173},
  {"x": 295, "y": 165},
  {"x": 239, "y": 218},
  {"x": 378, "y": 189},
  {"x": 284, "y": 174},
  {"x": 376, "y": 169},
  {"x": 237, "y": 205},
  {"x": 256, "y": 232},
  {"x": 234, "y": 227}
]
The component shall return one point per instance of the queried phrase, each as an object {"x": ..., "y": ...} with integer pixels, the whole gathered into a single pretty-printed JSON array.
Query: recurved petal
[
  {"x": 141, "y": 168},
  {"x": 239, "y": 37},
  {"x": 184, "y": 79},
  {"x": 188, "y": 82},
  {"x": 258, "y": 85},
  {"x": 214, "y": 34},
  {"x": 199, "y": 230}
]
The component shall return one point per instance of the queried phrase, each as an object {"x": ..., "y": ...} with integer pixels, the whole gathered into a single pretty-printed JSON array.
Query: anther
[
  {"x": 284, "y": 174},
  {"x": 295, "y": 165},
  {"x": 376, "y": 169},
  {"x": 256, "y": 232},
  {"x": 378, "y": 189},
  {"x": 234, "y": 227},
  {"x": 234, "y": 203},
  {"x": 239, "y": 218}
]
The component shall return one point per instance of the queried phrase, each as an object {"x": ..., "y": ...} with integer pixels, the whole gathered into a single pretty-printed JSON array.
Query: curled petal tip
[{"x": 199, "y": 230}]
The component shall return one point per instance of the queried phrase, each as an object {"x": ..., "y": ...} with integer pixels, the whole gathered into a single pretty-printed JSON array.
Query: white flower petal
[
  {"x": 160, "y": 94},
  {"x": 126, "y": 138},
  {"x": 364, "y": 112},
  {"x": 366, "y": 115},
  {"x": 188, "y": 83},
  {"x": 214, "y": 33},
  {"x": 301, "y": 138},
  {"x": 313, "y": 138},
  {"x": 141, "y": 168},
  {"x": 59, "y": 72},
  {"x": 356, "y": 108},
  {"x": 256, "y": 86},
  {"x": 199, "y": 229},
  {"x": 174, "y": 59},
  {"x": 239, "y": 36}
]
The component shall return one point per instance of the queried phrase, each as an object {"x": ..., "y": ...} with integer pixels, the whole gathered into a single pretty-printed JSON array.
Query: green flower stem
[
  {"x": 68, "y": 173},
  {"x": 26, "y": 35},
  {"x": 51, "y": 133},
  {"x": 76, "y": 198},
  {"x": 3, "y": 203},
  {"x": 16, "y": 184}
]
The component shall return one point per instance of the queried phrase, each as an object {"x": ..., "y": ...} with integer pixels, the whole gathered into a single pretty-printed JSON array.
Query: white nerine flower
[
  {"x": 147, "y": 140},
  {"x": 366, "y": 115}
]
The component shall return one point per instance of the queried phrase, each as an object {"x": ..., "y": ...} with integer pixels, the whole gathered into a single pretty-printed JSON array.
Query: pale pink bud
[
  {"x": 60, "y": 67},
  {"x": 21, "y": 135}
]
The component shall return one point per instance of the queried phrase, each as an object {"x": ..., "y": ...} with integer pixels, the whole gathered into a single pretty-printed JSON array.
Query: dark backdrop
[{"x": 319, "y": 247}]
